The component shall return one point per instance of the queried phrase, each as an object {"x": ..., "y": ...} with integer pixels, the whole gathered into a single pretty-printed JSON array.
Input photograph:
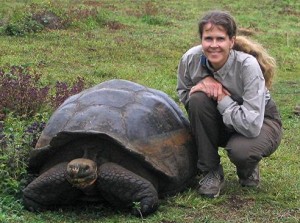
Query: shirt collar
[{"x": 226, "y": 67}]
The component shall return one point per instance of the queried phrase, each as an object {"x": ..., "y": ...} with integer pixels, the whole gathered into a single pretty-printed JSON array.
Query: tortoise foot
[
  {"x": 49, "y": 190},
  {"x": 124, "y": 188}
]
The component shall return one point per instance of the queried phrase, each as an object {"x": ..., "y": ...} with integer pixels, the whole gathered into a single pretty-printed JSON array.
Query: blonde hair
[{"x": 266, "y": 62}]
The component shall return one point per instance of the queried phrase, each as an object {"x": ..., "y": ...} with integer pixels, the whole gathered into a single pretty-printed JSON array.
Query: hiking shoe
[
  {"x": 211, "y": 184},
  {"x": 252, "y": 180}
]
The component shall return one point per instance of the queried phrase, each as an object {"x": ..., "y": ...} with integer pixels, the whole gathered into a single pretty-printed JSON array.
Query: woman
[{"x": 225, "y": 94}]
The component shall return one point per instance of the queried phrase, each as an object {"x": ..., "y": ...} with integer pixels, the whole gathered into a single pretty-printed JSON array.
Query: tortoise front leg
[
  {"x": 50, "y": 189},
  {"x": 122, "y": 187}
]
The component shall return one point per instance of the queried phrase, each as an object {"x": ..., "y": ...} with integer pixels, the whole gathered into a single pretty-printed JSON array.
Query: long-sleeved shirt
[{"x": 241, "y": 75}]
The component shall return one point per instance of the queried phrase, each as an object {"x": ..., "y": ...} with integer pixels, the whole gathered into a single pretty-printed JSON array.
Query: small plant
[
  {"x": 2, "y": 134},
  {"x": 152, "y": 20},
  {"x": 62, "y": 91},
  {"x": 137, "y": 208},
  {"x": 10, "y": 209},
  {"x": 18, "y": 137},
  {"x": 33, "y": 132},
  {"x": 21, "y": 92},
  {"x": 150, "y": 8},
  {"x": 33, "y": 19},
  {"x": 23, "y": 26},
  {"x": 151, "y": 15}
]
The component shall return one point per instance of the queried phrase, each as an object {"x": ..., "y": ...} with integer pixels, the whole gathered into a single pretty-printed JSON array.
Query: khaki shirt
[{"x": 241, "y": 75}]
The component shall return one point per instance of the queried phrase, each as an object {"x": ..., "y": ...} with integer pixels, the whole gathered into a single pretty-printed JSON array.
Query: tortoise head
[{"x": 81, "y": 172}]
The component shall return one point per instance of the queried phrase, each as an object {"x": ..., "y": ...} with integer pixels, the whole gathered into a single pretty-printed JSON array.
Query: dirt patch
[
  {"x": 237, "y": 203},
  {"x": 289, "y": 11},
  {"x": 93, "y": 3},
  {"x": 114, "y": 25},
  {"x": 49, "y": 20},
  {"x": 78, "y": 14}
]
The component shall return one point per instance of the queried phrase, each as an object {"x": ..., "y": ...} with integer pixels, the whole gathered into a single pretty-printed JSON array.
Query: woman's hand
[{"x": 211, "y": 87}]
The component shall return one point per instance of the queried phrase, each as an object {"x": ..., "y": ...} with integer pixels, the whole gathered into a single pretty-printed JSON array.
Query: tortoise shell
[{"x": 145, "y": 122}]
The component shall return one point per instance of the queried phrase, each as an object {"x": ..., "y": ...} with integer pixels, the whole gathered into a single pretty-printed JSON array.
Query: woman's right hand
[{"x": 212, "y": 88}]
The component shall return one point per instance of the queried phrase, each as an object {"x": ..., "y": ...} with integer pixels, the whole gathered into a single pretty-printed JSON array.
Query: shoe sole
[{"x": 214, "y": 195}]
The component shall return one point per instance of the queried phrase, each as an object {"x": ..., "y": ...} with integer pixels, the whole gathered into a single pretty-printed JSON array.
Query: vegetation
[{"x": 53, "y": 49}]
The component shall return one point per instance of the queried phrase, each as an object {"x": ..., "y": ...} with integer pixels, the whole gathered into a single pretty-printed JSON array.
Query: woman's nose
[{"x": 214, "y": 43}]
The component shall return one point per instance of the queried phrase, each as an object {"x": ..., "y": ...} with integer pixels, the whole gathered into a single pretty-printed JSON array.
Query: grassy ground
[{"x": 142, "y": 41}]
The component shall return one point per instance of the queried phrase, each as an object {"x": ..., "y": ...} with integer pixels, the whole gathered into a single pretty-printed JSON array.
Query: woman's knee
[
  {"x": 242, "y": 152},
  {"x": 199, "y": 101}
]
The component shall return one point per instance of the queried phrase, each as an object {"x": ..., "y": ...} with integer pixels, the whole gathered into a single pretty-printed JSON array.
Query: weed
[
  {"x": 137, "y": 208},
  {"x": 22, "y": 27},
  {"x": 10, "y": 209},
  {"x": 63, "y": 91},
  {"x": 151, "y": 20},
  {"x": 18, "y": 138},
  {"x": 150, "y": 8},
  {"x": 20, "y": 91}
]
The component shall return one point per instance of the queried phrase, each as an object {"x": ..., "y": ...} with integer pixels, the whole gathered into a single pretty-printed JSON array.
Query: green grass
[{"x": 142, "y": 41}]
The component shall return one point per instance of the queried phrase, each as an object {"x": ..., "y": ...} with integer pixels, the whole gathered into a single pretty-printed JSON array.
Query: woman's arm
[
  {"x": 247, "y": 118},
  {"x": 184, "y": 83}
]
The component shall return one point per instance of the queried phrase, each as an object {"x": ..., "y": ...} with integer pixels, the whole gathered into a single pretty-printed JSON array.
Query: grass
[{"x": 142, "y": 41}]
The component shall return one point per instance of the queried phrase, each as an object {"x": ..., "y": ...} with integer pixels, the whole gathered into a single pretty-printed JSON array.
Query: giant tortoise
[{"x": 118, "y": 142}]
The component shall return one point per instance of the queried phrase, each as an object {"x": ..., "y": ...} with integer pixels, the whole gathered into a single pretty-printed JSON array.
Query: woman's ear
[{"x": 232, "y": 42}]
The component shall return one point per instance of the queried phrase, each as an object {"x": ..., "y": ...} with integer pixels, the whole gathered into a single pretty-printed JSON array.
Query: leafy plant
[
  {"x": 152, "y": 20},
  {"x": 10, "y": 209},
  {"x": 22, "y": 97},
  {"x": 23, "y": 26},
  {"x": 18, "y": 138},
  {"x": 137, "y": 208},
  {"x": 21, "y": 91},
  {"x": 63, "y": 91}
]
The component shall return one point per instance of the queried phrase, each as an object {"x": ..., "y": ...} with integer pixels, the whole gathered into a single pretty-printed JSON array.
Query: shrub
[
  {"x": 32, "y": 19},
  {"x": 20, "y": 92},
  {"x": 23, "y": 26},
  {"x": 35, "y": 18},
  {"x": 18, "y": 138},
  {"x": 62, "y": 91},
  {"x": 21, "y": 123}
]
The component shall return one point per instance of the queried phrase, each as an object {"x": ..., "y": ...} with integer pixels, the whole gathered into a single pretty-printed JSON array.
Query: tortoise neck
[{"x": 90, "y": 153}]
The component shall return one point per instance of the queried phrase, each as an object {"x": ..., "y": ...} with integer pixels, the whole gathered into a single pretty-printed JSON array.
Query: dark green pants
[{"x": 210, "y": 133}]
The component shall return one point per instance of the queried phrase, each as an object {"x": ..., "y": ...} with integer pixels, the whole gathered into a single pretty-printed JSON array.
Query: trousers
[{"x": 210, "y": 133}]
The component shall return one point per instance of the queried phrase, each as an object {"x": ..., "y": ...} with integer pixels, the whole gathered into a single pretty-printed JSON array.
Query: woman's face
[{"x": 216, "y": 45}]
